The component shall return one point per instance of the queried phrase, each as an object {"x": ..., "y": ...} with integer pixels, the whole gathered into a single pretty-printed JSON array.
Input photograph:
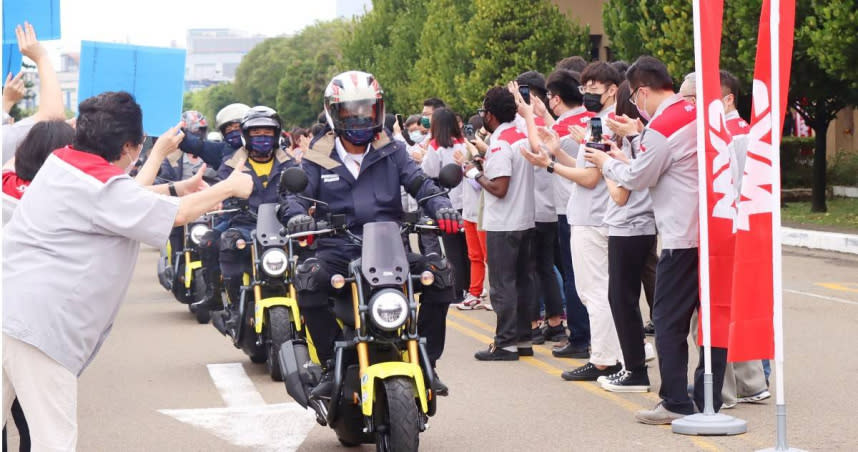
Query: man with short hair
[
  {"x": 69, "y": 254},
  {"x": 667, "y": 165},
  {"x": 508, "y": 218}
]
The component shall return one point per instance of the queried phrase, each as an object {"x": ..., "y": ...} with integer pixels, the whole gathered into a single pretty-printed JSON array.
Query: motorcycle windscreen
[
  {"x": 383, "y": 259},
  {"x": 268, "y": 227}
]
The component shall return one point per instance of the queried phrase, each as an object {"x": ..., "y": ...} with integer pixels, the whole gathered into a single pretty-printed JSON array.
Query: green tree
[
  {"x": 315, "y": 59},
  {"x": 832, "y": 29},
  {"x": 209, "y": 100},
  {"x": 445, "y": 61},
  {"x": 258, "y": 75},
  {"x": 506, "y": 39},
  {"x": 384, "y": 42}
]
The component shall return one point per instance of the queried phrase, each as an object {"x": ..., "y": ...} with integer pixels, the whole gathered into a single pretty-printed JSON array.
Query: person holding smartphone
[{"x": 586, "y": 216}]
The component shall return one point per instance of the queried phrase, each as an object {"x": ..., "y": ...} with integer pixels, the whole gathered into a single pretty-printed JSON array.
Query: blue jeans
[{"x": 576, "y": 313}]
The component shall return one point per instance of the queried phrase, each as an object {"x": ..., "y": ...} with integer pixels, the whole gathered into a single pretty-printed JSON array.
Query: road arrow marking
[{"x": 247, "y": 421}]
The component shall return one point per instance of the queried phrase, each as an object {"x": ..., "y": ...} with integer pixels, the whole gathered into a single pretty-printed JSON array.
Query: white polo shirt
[
  {"x": 437, "y": 157},
  {"x": 515, "y": 211},
  {"x": 70, "y": 251}
]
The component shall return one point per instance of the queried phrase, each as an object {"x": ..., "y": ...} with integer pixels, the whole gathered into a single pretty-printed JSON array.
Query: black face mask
[{"x": 593, "y": 102}]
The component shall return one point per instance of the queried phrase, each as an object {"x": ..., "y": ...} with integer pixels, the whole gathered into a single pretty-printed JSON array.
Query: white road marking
[
  {"x": 823, "y": 297},
  {"x": 234, "y": 385},
  {"x": 247, "y": 421}
]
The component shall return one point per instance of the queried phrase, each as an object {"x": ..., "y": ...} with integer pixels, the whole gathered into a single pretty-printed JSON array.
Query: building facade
[{"x": 214, "y": 54}]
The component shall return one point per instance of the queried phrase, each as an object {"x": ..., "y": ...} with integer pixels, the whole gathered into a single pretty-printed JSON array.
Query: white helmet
[
  {"x": 214, "y": 136},
  {"x": 354, "y": 106},
  {"x": 230, "y": 113}
]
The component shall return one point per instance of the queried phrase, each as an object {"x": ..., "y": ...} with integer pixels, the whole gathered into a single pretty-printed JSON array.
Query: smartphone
[
  {"x": 604, "y": 147},
  {"x": 596, "y": 129},
  {"x": 524, "y": 90},
  {"x": 469, "y": 132}
]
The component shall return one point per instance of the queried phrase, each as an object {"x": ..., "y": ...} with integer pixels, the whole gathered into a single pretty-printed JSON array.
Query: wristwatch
[
  {"x": 172, "y": 187},
  {"x": 550, "y": 167}
]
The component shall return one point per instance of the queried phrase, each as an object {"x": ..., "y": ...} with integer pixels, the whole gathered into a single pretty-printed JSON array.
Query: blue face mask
[
  {"x": 233, "y": 139},
  {"x": 261, "y": 145},
  {"x": 359, "y": 137}
]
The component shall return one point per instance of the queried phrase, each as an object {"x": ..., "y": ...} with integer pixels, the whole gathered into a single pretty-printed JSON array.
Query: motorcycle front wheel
[
  {"x": 395, "y": 416},
  {"x": 277, "y": 331},
  {"x": 203, "y": 314}
]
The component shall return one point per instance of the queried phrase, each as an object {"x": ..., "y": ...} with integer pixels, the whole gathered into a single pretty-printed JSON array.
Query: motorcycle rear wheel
[
  {"x": 395, "y": 416},
  {"x": 277, "y": 331}
]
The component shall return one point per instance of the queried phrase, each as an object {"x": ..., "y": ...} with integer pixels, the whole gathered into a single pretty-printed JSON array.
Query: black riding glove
[
  {"x": 449, "y": 220},
  {"x": 300, "y": 223}
]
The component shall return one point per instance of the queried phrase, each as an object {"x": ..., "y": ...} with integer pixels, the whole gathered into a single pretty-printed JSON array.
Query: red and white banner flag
[
  {"x": 716, "y": 230},
  {"x": 756, "y": 263}
]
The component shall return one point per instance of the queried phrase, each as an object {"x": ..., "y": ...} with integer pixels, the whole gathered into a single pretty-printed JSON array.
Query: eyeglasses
[
  {"x": 633, "y": 96},
  {"x": 583, "y": 90}
]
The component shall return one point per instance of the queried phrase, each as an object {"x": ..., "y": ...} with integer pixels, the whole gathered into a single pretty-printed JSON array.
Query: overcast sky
[{"x": 158, "y": 22}]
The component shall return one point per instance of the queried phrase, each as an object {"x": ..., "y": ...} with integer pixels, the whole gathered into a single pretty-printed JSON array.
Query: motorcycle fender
[
  {"x": 265, "y": 303},
  {"x": 382, "y": 371},
  {"x": 189, "y": 271}
]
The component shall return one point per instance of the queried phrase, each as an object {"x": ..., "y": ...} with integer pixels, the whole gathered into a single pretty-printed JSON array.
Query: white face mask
[{"x": 416, "y": 136}]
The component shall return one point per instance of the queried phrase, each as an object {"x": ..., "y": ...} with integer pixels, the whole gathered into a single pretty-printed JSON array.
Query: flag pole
[
  {"x": 777, "y": 256},
  {"x": 708, "y": 422}
]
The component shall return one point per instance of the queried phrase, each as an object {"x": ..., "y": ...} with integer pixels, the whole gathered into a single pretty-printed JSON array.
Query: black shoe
[
  {"x": 589, "y": 372},
  {"x": 628, "y": 381},
  {"x": 525, "y": 351},
  {"x": 571, "y": 351},
  {"x": 439, "y": 388},
  {"x": 554, "y": 333},
  {"x": 649, "y": 329},
  {"x": 210, "y": 303},
  {"x": 496, "y": 354},
  {"x": 536, "y": 336},
  {"x": 219, "y": 323},
  {"x": 323, "y": 390}
]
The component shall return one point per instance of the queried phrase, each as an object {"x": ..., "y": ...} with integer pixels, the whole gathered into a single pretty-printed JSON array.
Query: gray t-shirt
[
  {"x": 587, "y": 205},
  {"x": 70, "y": 251},
  {"x": 515, "y": 211},
  {"x": 635, "y": 217},
  {"x": 437, "y": 157},
  {"x": 13, "y": 135}
]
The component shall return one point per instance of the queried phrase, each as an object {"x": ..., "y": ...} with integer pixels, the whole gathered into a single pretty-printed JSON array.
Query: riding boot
[
  {"x": 227, "y": 320},
  {"x": 213, "y": 300},
  {"x": 325, "y": 388}
]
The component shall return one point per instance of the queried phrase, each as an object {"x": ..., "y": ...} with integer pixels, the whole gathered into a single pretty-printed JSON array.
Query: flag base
[{"x": 709, "y": 425}]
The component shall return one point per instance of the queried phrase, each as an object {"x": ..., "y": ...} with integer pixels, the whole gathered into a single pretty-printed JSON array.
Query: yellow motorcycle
[
  {"x": 386, "y": 398},
  {"x": 181, "y": 271}
]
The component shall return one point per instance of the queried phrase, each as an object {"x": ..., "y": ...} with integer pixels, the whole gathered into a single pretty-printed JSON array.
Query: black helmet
[{"x": 260, "y": 116}]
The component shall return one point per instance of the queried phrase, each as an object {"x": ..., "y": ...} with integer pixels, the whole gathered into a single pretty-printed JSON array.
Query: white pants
[
  {"x": 590, "y": 262},
  {"x": 47, "y": 392}
]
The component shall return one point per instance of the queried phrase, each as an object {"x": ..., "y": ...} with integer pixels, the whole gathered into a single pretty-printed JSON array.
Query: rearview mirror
[
  {"x": 450, "y": 176},
  {"x": 294, "y": 180}
]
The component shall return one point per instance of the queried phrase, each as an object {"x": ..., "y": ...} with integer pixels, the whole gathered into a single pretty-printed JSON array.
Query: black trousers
[
  {"x": 648, "y": 276},
  {"x": 509, "y": 284},
  {"x": 457, "y": 255},
  {"x": 23, "y": 429},
  {"x": 627, "y": 258},
  {"x": 544, "y": 284},
  {"x": 676, "y": 298}
]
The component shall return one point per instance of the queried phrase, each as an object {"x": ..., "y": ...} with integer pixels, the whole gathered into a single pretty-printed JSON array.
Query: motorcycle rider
[
  {"x": 228, "y": 123},
  {"x": 358, "y": 170},
  {"x": 260, "y": 129}
]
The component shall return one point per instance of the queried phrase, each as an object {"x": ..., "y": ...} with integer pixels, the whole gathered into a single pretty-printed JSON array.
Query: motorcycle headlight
[
  {"x": 197, "y": 233},
  {"x": 274, "y": 261},
  {"x": 389, "y": 309}
]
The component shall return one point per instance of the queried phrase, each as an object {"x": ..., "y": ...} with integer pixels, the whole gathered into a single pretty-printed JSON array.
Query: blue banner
[
  {"x": 155, "y": 76},
  {"x": 11, "y": 60},
  {"x": 44, "y": 15}
]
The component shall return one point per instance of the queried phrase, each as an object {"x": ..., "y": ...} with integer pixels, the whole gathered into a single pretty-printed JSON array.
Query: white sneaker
[
  {"x": 649, "y": 351},
  {"x": 470, "y": 303},
  {"x": 762, "y": 395}
]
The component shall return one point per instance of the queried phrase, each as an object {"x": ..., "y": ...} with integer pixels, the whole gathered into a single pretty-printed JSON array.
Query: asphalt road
[{"x": 159, "y": 359}]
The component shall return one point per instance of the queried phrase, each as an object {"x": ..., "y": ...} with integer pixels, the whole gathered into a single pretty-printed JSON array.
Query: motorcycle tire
[
  {"x": 395, "y": 416},
  {"x": 203, "y": 314},
  {"x": 179, "y": 286},
  {"x": 278, "y": 330}
]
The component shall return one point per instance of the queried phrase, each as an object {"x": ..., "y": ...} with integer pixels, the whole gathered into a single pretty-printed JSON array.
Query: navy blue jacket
[
  {"x": 212, "y": 152},
  {"x": 374, "y": 196},
  {"x": 261, "y": 194}
]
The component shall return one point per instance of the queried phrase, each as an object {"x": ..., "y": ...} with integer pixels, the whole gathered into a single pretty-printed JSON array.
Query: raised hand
[
  {"x": 240, "y": 183},
  {"x": 29, "y": 46}
]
